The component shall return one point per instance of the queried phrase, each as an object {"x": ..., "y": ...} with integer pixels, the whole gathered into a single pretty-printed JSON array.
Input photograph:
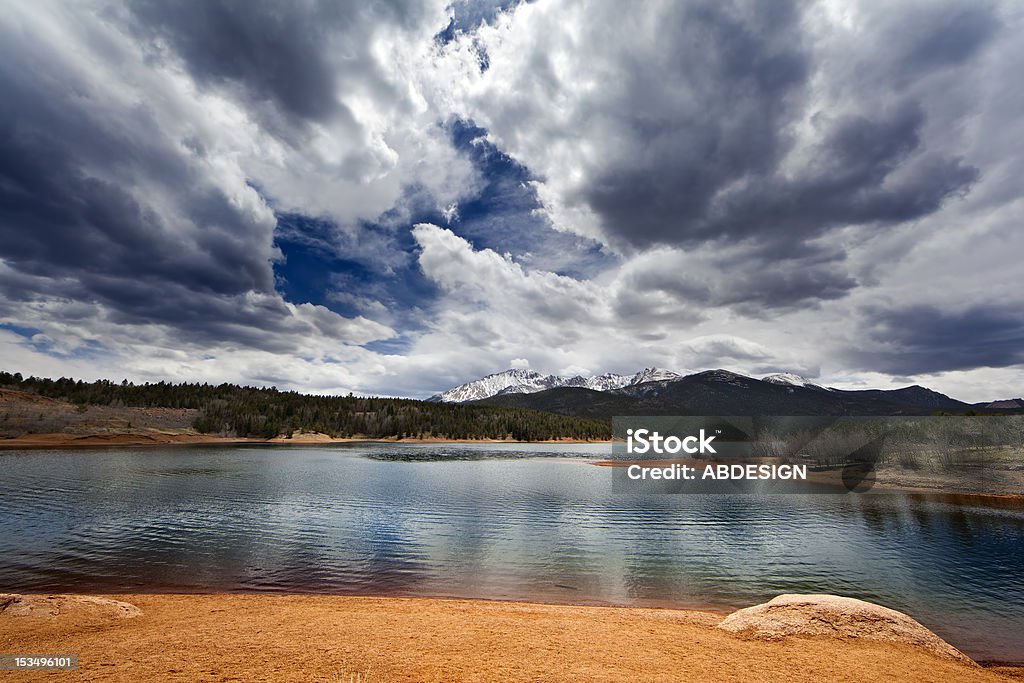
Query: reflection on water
[{"x": 496, "y": 521}]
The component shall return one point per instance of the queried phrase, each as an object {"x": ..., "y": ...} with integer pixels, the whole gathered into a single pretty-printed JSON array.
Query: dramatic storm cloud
[
  {"x": 395, "y": 197},
  {"x": 922, "y": 338}
]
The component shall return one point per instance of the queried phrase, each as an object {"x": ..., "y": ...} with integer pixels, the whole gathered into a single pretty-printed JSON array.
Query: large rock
[
  {"x": 836, "y": 617},
  {"x": 50, "y": 606}
]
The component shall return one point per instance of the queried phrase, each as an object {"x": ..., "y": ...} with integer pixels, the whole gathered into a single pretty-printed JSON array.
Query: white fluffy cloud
[{"x": 495, "y": 308}]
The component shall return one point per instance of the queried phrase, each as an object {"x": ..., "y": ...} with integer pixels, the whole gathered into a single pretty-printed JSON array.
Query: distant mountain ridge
[
  {"x": 789, "y": 379},
  {"x": 521, "y": 381},
  {"x": 1007, "y": 404},
  {"x": 712, "y": 392}
]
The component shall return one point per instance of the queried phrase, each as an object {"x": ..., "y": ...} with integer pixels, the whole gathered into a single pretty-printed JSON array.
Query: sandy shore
[{"x": 370, "y": 640}]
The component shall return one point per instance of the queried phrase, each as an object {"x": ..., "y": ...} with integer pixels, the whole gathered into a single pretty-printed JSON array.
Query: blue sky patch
[{"x": 322, "y": 264}]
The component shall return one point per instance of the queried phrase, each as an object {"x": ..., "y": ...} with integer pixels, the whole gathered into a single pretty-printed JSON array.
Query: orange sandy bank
[{"x": 343, "y": 639}]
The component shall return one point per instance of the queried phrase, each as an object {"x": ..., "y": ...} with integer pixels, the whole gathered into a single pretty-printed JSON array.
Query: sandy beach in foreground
[{"x": 231, "y": 637}]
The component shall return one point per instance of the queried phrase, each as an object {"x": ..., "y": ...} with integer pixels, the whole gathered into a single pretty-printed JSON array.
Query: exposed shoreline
[
  {"x": 207, "y": 637},
  {"x": 896, "y": 480},
  {"x": 65, "y": 440}
]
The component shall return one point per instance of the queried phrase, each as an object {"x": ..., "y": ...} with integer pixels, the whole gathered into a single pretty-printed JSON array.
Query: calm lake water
[{"x": 521, "y": 522}]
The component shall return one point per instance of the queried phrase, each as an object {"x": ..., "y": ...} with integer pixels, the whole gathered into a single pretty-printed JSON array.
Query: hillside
[{"x": 45, "y": 405}]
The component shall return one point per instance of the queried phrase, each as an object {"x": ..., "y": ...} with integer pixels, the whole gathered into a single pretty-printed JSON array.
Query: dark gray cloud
[
  {"x": 851, "y": 182},
  {"x": 751, "y": 126},
  {"x": 56, "y": 218},
  {"x": 923, "y": 39},
  {"x": 757, "y": 282},
  {"x": 252, "y": 45},
  {"x": 720, "y": 173},
  {"x": 708, "y": 110},
  {"x": 105, "y": 205},
  {"x": 926, "y": 339},
  {"x": 765, "y": 290},
  {"x": 67, "y": 203},
  {"x": 291, "y": 60}
]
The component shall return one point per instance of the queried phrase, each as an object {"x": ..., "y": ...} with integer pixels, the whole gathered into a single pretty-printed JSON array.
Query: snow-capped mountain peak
[
  {"x": 607, "y": 382},
  {"x": 654, "y": 375},
  {"x": 793, "y": 380},
  {"x": 514, "y": 381},
  {"x": 521, "y": 381}
]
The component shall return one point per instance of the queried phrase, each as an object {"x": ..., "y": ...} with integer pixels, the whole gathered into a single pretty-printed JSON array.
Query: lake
[{"x": 503, "y": 521}]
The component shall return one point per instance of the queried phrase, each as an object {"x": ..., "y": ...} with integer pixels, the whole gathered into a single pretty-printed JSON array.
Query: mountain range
[
  {"x": 653, "y": 391},
  {"x": 518, "y": 381}
]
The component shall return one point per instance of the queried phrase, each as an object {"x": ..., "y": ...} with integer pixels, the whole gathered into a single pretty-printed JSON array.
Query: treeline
[{"x": 234, "y": 410}]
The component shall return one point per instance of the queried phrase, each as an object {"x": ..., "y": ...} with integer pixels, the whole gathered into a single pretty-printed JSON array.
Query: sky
[{"x": 394, "y": 197}]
